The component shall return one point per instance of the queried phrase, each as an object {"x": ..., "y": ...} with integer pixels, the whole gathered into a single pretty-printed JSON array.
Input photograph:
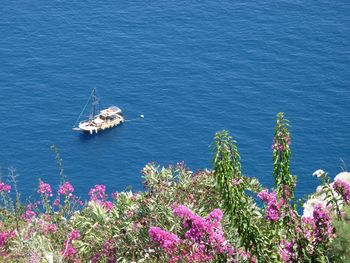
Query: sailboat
[{"x": 105, "y": 119}]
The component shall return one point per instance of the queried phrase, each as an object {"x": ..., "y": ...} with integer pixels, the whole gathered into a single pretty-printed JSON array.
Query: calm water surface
[{"x": 191, "y": 67}]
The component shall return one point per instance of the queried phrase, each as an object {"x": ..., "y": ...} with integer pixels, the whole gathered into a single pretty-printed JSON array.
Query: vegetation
[
  {"x": 181, "y": 216},
  {"x": 340, "y": 247}
]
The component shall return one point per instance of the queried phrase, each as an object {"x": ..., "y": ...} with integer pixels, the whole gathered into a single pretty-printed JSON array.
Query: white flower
[
  {"x": 344, "y": 176},
  {"x": 49, "y": 257},
  {"x": 319, "y": 189},
  {"x": 319, "y": 173},
  {"x": 311, "y": 203}
]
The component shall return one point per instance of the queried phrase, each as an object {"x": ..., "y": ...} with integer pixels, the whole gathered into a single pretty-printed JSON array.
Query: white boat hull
[
  {"x": 95, "y": 129},
  {"x": 107, "y": 119}
]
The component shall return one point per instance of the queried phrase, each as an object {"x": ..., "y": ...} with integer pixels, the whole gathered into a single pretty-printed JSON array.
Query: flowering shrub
[
  {"x": 272, "y": 206},
  {"x": 167, "y": 241},
  {"x": 203, "y": 240},
  {"x": 181, "y": 216},
  {"x": 322, "y": 225},
  {"x": 4, "y": 237},
  {"x": 343, "y": 189},
  {"x": 127, "y": 224},
  {"x": 284, "y": 181},
  {"x": 69, "y": 250},
  {"x": 340, "y": 247},
  {"x": 277, "y": 232}
]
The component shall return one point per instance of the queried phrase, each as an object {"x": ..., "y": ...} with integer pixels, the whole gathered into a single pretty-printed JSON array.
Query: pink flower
[
  {"x": 203, "y": 230},
  {"x": 166, "y": 240},
  {"x": 308, "y": 227},
  {"x": 4, "y": 236},
  {"x": 44, "y": 189},
  {"x": 273, "y": 207},
  {"x": 115, "y": 195},
  {"x": 66, "y": 189},
  {"x": 323, "y": 229},
  {"x": 29, "y": 214},
  {"x": 343, "y": 189},
  {"x": 108, "y": 205},
  {"x": 265, "y": 196},
  {"x": 181, "y": 211},
  {"x": 5, "y": 187},
  {"x": 74, "y": 234},
  {"x": 236, "y": 182},
  {"x": 49, "y": 228},
  {"x": 287, "y": 251},
  {"x": 56, "y": 202},
  {"x": 281, "y": 142},
  {"x": 98, "y": 193},
  {"x": 68, "y": 249},
  {"x": 204, "y": 237},
  {"x": 216, "y": 215}
]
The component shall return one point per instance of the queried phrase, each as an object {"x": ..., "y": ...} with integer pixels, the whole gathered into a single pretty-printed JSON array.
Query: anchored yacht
[{"x": 105, "y": 119}]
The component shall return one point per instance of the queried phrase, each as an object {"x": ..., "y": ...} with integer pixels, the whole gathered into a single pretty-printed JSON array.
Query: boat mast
[{"x": 94, "y": 103}]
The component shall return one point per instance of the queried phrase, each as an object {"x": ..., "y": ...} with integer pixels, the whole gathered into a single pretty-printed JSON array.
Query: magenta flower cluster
[
  {"x": 200, "y": 228},
  {"x": 29, "y": 213},
  {"x": 48, "y": 228},
  {"x": 115, "y": 195},
  {"x": 68, "y": 249},
  {"x": 287, "y": 252},
  {"x": 317, "y": 230},
  {"x": 98, "y": 194},
  {"x": 44, "y": 189},
  {"x": 343, "y": 189},
  {"x": 167, "y": 241},
  {"x": 273, "y": 206},
  {"x": 323, "y": 229},
  {"x": 66, "y": 189},
  {"x": 5, "y": 187},
  {"x": 45, "y": 225},
  {"x": 5, "y": 235},
  {"x": 203, "y": 238}
]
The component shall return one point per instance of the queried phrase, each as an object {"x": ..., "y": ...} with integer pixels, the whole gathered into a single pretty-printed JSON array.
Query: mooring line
[{"x": 136, "y": 119}]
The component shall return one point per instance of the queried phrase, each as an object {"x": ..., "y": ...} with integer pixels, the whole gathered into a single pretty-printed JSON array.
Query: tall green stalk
[
  {"x": 284, "y": 181},
  {"x": 241, "y": 208}
]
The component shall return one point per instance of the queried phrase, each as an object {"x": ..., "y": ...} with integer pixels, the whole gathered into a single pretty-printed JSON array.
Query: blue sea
[{"x": 192, "y": 68}]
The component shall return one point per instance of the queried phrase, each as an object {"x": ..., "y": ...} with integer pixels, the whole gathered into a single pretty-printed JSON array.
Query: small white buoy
[{"x": 142, "y": 116}]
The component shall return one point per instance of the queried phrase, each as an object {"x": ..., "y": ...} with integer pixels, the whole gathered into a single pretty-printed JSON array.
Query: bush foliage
[{"x": 181, "y": 216}]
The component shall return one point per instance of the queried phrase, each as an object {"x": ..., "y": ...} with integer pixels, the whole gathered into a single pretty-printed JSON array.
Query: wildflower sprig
[
  {"x": 284, "y": 181},
  {"x": 333, "y": 200}
]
